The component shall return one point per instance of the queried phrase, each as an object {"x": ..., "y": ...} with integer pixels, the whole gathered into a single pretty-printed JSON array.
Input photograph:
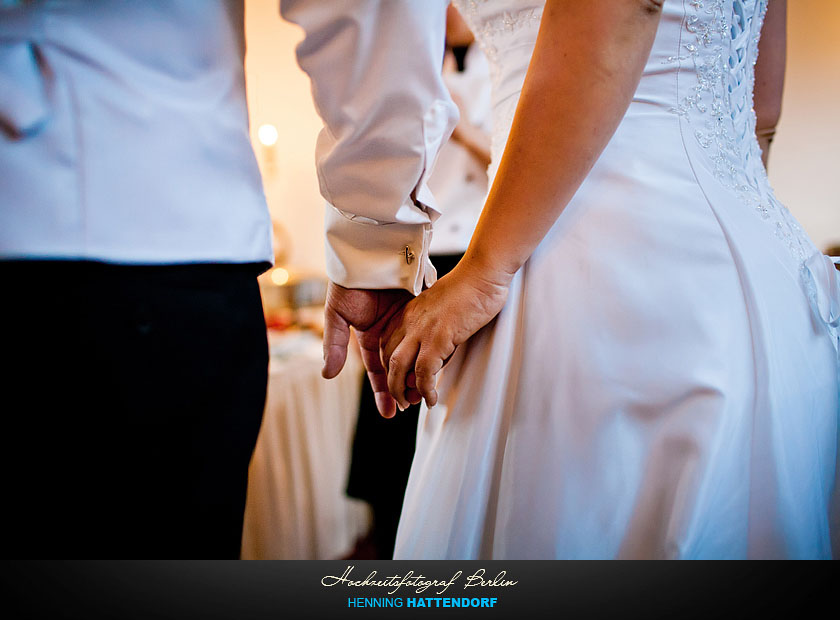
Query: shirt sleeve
[{"x": 375, "y": 67}]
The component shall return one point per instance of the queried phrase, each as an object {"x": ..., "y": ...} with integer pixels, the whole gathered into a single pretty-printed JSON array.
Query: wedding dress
[{"x": 663, "y": 379}]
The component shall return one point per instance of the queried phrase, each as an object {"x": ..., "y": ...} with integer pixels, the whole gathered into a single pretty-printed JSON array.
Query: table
[{"x": 296, "y": 506}]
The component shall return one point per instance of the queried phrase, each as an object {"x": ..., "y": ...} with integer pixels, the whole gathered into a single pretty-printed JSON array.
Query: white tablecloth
[{"x": 296, "y": 506}]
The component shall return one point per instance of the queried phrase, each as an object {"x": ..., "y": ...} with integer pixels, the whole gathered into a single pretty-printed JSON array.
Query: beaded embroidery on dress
[
  {"x": 724, "y": 50},
  {"x": 664, "y": 379}
]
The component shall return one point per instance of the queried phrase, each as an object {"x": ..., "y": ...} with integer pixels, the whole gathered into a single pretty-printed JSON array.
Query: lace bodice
[{"x": 719, "y": 50}]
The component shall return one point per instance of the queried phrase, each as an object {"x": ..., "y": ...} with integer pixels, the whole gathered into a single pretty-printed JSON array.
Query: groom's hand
[{"x": 368, "y": 312}]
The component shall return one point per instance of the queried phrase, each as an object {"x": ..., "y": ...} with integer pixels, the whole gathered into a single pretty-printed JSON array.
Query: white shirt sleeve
[{"x": 375, "y": 67}]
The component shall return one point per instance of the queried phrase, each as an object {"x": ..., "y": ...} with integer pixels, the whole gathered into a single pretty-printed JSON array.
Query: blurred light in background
[
  {"x": 267, "y": 135},
  {"x": 279, "y": 276}
]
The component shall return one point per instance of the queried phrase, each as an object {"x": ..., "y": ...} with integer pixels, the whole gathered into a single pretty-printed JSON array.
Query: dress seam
[{"x": 735, "y": 262}]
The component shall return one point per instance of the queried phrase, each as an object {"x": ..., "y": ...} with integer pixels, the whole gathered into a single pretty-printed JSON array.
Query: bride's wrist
[{"x": 486, "y": 268}]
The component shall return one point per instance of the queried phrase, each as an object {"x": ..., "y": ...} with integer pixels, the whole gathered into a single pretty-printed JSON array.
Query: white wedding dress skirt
[{"x": 663, "y": 380}]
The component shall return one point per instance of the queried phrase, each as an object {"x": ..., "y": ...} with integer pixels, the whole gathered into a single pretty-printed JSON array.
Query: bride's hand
[{"x": 429, "y": 328}]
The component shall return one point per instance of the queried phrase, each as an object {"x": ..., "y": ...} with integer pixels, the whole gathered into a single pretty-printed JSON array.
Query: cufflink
[{"x": 408, "y": 254}]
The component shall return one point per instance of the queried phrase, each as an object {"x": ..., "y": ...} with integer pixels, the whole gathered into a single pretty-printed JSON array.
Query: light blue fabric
[{"x": 124, "y": 134}]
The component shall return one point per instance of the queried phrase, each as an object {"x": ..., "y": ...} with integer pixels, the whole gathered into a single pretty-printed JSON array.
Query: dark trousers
[
  {"x": 383, "y": 450},
  {"x": 131, "y": 408}
]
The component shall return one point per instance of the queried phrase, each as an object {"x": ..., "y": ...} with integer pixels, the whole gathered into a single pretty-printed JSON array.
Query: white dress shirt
[
  {"x": 459, "y": 180},
  {"x": 124, "y": 134},
  {"x": 375, "y": 70}
]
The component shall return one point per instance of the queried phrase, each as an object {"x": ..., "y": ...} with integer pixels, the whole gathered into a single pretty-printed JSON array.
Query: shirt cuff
[{"x": 364, "y": 254}]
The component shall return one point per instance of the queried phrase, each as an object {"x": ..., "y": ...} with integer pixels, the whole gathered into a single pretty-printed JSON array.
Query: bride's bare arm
[
  {"x": 585, "y": 68},
  {"x": 770, "y": 74},
  {"x": 586, "y": 65}
]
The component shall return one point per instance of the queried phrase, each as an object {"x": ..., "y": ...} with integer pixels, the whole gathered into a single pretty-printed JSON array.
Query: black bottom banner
[{"x": 365, "y": 589}]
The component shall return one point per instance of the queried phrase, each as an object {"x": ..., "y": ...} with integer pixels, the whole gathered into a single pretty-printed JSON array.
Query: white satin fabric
[{"x": 663, "y": 380}]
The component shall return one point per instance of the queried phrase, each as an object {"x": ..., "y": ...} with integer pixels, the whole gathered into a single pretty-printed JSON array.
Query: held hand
[
  {"x": 424, "y": 334},
  {"x": 368, "y": 311}
]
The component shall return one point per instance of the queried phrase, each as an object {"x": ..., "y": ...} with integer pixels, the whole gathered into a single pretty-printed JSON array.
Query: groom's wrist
[{"x": 365, "y": 255}]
